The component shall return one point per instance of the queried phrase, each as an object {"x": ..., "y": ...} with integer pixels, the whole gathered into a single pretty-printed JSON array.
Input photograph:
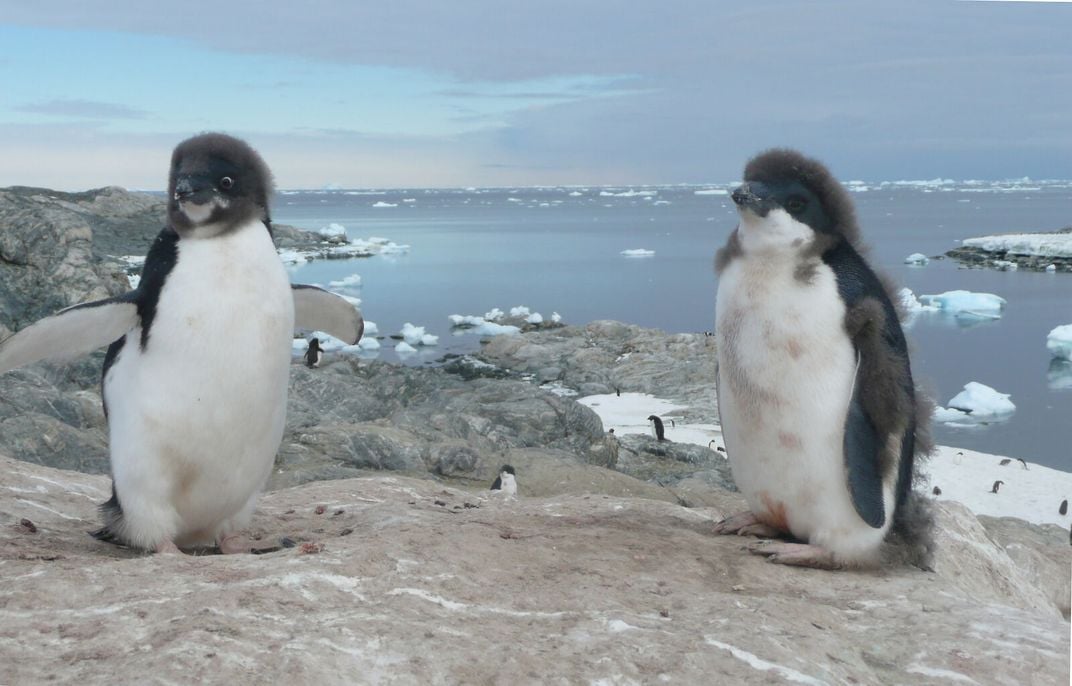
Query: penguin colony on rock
[{"x": 821, "y": 420}]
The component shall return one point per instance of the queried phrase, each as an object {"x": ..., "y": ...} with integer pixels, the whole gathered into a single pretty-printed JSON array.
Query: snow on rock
[
  {"x": 980, "y": 400},
  {"x": 1041, "y": 244},
  {"x": 918, "y": 259},
  {"x": 967, "y": 304},
  {"x": 1059, "y": 342},
  {"x": 638, "y": 252}
]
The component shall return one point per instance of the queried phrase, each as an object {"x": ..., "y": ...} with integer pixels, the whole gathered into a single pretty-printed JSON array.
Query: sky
[{"x": 417, "y": 93}]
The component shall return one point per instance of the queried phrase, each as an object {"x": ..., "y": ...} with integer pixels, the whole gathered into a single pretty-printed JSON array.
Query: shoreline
[{"x": 1030, "y": 492}]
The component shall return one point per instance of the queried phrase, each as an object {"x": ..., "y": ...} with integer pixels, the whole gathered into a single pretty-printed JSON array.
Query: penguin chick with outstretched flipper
[
  {"x": 820, "y": 416},
  {"x": 194, "y": 428},
  {"x": 314, "y": 354}
]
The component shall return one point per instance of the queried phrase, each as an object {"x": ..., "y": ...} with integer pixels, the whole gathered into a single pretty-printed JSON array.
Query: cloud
[{"x": 83, "y": 109}]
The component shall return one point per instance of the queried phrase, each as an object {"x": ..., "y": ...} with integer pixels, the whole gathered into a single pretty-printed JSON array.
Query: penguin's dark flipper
[
  {"x": 318, "y": 310},
  {"x": 862, "y": 463},
  {"x": 72, "y": 332}
]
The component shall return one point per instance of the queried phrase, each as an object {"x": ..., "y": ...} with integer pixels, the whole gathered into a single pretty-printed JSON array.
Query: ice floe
[
  {"x": 1059, "y": 342},
  {"x": 976, "y": 403},
  {"x": 416, "y": 335},
  {"x": 966, "y": 304},
  {"x": 628, "y": 194},
  {"x": 918, "y": 259},
  {"x": 404, "y": 348},
  {"x": 352, "y": 281},
  {"x": 638, "y": 252},
  {"x": 711, "y": 191},
  {"x": 381, "y": 203}
]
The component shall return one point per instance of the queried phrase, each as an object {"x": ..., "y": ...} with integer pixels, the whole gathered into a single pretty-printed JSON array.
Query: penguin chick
[
  {"x": 820, "y": 416},
  {"x": 314, "y": 354},
  {"x": 193, "y": 428},
  {"x": 506, "y": 482}
]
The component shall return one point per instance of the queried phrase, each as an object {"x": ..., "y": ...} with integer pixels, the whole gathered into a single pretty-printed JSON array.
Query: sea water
[{"x": 559, "y": 250}]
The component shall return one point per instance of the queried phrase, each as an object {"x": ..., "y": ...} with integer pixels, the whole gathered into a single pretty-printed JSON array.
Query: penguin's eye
[
  {"x": 226, "y": 183},
  {"x": 795, "y": 204}
]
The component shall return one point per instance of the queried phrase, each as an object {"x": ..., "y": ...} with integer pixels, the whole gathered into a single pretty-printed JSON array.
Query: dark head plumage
[
  {"x": 217, "y": 180},
  {"x": 314, "y": 343},
  {"x": 508, "y": 469},
  {"x": 790, "y": 178}
]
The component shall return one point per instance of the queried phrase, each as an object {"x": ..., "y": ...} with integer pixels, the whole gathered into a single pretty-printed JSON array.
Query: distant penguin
[
  {"x": 314, "y": 354},
  {"x": 997, "y": 485},
  {"x": 937, "y": 491},
  {"x": 193, "y": 427},
  {"x": 820, "y": 416},
  {"x": 1004, "y": 462},
  {"x": 506, "y": 482},
  {"x": 1064, "y": 507},
  {"x": 657, "y": 428}
]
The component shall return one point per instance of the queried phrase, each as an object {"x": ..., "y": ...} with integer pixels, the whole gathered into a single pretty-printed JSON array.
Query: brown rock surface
[{"x": 387, "y": 586}]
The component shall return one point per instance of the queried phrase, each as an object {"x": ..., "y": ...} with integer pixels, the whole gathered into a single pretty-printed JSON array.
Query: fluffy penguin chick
[
  {"x": 815, "y": 392},
  {"x": 505, "y": 483},
  {"x": 193, "y": 427}
]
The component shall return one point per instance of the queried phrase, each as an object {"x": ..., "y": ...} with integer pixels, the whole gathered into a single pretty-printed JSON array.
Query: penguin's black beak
[
  {"x": 189, "y": 188},
  {"x": 753, "y": 196}
]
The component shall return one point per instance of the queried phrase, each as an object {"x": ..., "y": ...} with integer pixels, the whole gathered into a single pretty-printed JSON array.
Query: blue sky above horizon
[{"x": 478, "y": 93}]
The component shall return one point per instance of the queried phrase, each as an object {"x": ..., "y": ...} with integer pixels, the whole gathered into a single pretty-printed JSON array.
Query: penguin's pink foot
[
  {"x": 167, "y": 547},
  {"x": 746, "y": 524},
  {"x": 232, "y": 544},
  {"x": 796, "y": 554}
]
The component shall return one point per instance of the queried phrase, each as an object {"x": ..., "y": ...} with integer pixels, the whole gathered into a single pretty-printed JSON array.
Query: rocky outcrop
[
  {"x": 1006, "y": 257},
  {"x": 398, "y": 580},
  {"x": 606, "y": 356}
]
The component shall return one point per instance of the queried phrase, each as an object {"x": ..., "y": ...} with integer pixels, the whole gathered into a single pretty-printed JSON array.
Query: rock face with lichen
[{"x": 398, "y": 580}]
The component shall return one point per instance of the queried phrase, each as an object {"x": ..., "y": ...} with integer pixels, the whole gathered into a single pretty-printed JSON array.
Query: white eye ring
[{"x": 226, "y": 183}]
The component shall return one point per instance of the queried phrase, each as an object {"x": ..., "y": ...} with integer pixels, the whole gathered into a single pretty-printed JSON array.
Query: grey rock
[
  {"x": 606, "y": 355},
  {"x": 394, "y": 566},
  {"x": 667, "y": 462}
]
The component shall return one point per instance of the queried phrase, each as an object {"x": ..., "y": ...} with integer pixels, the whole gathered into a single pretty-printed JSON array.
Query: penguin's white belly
[
  {"x": 785, "y": 379},
  {"x": 196, "y": 418}
]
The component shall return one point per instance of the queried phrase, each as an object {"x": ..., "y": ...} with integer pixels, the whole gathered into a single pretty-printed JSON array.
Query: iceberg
[
  {"x": 638, "y": 252},
  {"x": 918, "y": 259},
  {"x": 333, "y": 231},
  {"x": 1059, "y": 342},
  {"x": 352, "y": 281},
  {"x": 416, "y": 335},
  {"x": 368, "y": 343},
  {"x": 534, "y": 318},
  {"x": 404, "y": 348},
  {"x": 494, "y": 315},
  {"x": 519, "y": 311},
  {"x": 980, "y": 400},
  {"x": 370, "y": 328},
  {"x": 381, "y": 203},
  {"x": 965, "y": 304}
]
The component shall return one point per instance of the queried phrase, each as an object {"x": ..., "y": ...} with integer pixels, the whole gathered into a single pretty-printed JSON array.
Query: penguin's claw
[
  {"x": 795, "y": 554},
  {"x": 233, "y": 544},
  {"x": 167, "y": 547},
  {"x": 746, "y": 524}
]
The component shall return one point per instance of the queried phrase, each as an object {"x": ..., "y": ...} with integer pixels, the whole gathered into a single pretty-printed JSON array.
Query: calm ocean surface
[{"x": 558, "y": 250}]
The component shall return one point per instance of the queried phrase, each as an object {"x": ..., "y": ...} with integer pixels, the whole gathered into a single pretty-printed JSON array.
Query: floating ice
[
  {"x": 1042, "y": 244},
  {"x": 912, "y": 305},
  {"x": 661, "y": 202},
  {"x": 967, "y": 304},
  {"x": 638, "y": 252},
  {"x": 519, "y": 311},
  {"x": 1004, "y": 265},
  {"x": 980, "y": 400},
  {"x": 404, "y": 348},
  {"x": 416, "y": 335},
  {"x": 1051, "y": 268},
  {"x": 534, "y": 318},
  {"x": 133, "y": 280},
  {"x": 918, "y": 259},
  {"x": 370, "y": 328},
  {"x": 352, "y": 281},
  {"x": 494, "y": 315},
  {"x": 409, "y": 199},
  {"x": 575, "y": 194},
  {"x": 628, "y": 194},
  {"x": 292, "y": 257},
  {"x": 333, "y": 231},
  {"x": 481, "y": 325},
  {"x": 368, "y": 343},
  {"x": 556, "y": 317},
  {"x": 381, "y": 203},
  {"x": 356, "y": 302},
  {"x": 712, "y": 191},
  {"x": 1059, "y": 342}
]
